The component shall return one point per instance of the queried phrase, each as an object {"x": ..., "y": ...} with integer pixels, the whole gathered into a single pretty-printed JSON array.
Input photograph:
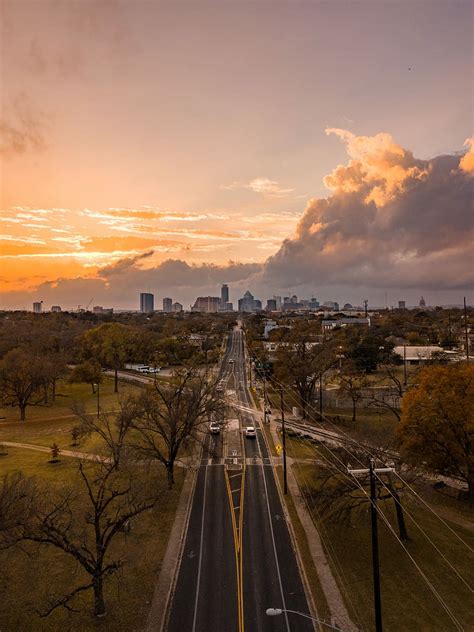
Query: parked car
[{"x": 250, "y": 432}]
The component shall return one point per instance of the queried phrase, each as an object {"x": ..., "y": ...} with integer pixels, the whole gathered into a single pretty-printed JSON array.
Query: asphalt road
[{"x": 238, "y": 558}]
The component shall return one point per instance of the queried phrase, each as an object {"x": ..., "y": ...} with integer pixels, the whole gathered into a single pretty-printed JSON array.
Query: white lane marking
[{"x": 200, "y": 553}]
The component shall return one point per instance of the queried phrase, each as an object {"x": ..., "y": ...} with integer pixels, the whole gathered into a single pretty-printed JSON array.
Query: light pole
[
  {"x": 275, "y": 612},
  {"x": 283, "y": 433},
  {"x": 98, "y": 400}
]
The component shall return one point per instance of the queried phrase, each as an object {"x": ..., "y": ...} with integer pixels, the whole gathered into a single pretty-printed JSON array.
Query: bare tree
[
  {"x": 112, "y": 428},
  {"x": 17, "y": 498},
  {"x": 389, "y": 395},
  {"x": 84, "y": 523},
  {"x": 174, "y": 413},
  {"x": 352, "y": 383}
]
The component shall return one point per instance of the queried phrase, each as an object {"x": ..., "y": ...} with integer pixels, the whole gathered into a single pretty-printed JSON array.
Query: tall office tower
[
  {"x": 422, "y": 302},
  {"x": 167, "y": 305},
  {"x": 38, "y": 307},
  {"x": 402, "y": 305},
  {"x": 147, "y": 303},
  {"x": 224, "y": 294},
  {"x": 278, "y": 302},
  {"x": 207, "y": 304}
]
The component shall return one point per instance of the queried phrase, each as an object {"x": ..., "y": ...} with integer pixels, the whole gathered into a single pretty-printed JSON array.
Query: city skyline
[{"x": 293, "y": 170}]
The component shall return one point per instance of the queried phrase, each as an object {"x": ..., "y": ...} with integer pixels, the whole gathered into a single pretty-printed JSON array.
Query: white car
[
  {"x": 231, "y": 361},
  {"x": 214, "y": 427},
  {"x": 250, "y": 432}
]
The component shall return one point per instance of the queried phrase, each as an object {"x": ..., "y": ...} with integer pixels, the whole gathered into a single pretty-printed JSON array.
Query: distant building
[
  {"x": 328, "y": 325},
  {"x": 38, "y": 307},
  {"x": 277, "y": 300},
  {"x": 331, "y": 305},
  {"x": 402, "y": 305},
  {"x": 56, "y": 308},
  {"x": 313, "y": 303},
  {"x": 271, "y": 305},
  {"x": 248, "y": 303},
  {"x": 269, "y": 326},
  {"x": 347, "y": 306},
  {"x": 177, "y": 307},
  {"x": 207, "y": 304},
  {"x": 167, "y": 305},
  {"x": 422, "y": 302},
  {"x": 228, "y": 307},
  {"x": 224, "y": 294},
  {"x": 419, "y": 354},
  {"x": 147, "y": 303},
  {"x": 97, "y": 309}
]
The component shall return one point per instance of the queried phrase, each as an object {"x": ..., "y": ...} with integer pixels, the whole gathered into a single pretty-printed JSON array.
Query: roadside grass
[
  {"x": 407, "y": 602},
  {"x": 31, "y": 573},
  {"x": 50, "y": 424},
  {"x": 317, "y": 592},
  {"x": 371, "y": 425}
]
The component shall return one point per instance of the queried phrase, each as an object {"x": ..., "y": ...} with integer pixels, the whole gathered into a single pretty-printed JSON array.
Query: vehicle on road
[
  {"x": 250, "y": 432},
  {"x": 231, "y": 361},
  {"x": 214, "y": 427}
]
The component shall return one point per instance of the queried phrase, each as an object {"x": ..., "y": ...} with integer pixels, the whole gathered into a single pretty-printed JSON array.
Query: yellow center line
[{"x": 237, "y": 532}]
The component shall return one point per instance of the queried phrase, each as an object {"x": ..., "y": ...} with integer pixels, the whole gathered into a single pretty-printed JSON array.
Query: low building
[
  {"x": 420, "y": 354},
  {"x": 56, "y": 308},
  {"x": 328, "y": 325},
  {"x": 177, "y": 307},
  {"x": 167, "y": 305}
]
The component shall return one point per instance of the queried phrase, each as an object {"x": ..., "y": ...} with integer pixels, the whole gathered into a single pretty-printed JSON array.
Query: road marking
[{"x": 200, "y": 553}]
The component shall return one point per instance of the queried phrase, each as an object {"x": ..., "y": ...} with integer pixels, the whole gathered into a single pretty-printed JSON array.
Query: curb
[
  {"x": 294, "y": 541},
  {"x": 165, "y": 586}
]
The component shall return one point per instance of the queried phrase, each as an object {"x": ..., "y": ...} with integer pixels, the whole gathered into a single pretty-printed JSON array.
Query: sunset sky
[{"x": 306, "y": 147}]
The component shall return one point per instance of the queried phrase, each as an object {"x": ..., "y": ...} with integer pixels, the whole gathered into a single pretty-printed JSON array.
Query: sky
[{"x": 317, "y": 148}]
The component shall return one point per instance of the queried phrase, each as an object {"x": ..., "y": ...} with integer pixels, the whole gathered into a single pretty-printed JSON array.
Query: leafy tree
[
  {"x": 88, "y": 372},
  {"x": 108, "y": 344},
  {"x": 366, "y": 350},
  {"x": 172, "y": 413},
  {"x": 21, "y": 380},
  {"x": 437, "y": 423}
]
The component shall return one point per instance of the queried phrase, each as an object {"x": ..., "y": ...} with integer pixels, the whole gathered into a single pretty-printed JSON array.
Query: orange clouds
[
  {"x": 467, "y": 161},
  {"x": 377, "y": 162}
]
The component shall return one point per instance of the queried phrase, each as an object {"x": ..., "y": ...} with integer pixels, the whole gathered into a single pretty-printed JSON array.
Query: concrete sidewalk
[{"x": 339, "y": 614}]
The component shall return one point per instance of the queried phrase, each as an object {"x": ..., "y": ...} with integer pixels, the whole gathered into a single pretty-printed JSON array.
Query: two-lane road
[{"x": 238, "y": 558}]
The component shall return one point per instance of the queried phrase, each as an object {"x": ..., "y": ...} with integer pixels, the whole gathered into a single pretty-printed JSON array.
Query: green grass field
[
  {"x": 407, "y": 602},
  {"x": 30, "y": 573}
]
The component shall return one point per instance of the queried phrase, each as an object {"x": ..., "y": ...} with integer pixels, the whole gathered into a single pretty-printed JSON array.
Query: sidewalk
[{"x": 339, "y": 613}]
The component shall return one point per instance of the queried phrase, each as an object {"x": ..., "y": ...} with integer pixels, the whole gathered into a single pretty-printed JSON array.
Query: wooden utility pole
[
  {"x": 404, "y": 365},
  {"x": 321, "y": 395},
  {"x": 372, "y": 471},
  {"x": 466, "y": 332},
  {"x": 283, "y": 433}
]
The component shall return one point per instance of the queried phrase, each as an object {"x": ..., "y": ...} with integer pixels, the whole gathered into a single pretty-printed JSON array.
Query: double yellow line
[{"x": 238, "y": 542}]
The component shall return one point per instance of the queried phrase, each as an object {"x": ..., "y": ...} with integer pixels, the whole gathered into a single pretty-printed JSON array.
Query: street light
[
  {"x": 276, "y": 612},
  {"x": 98, "y": 399}
]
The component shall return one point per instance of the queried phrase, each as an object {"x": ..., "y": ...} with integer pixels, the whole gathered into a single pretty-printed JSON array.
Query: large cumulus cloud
[{"x": 391, "y": 221}]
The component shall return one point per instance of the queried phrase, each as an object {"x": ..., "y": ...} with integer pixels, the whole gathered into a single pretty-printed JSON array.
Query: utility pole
[
  {"x": 264, "y": 397},
  {"x": 372, "y": 471},
  {"x": 366, "y": 307},
  {"x": 285, "y": 479},
  {"x": 321, "y": 395},
  {"x": 98, "y": 400},
  {"x": 404, "y": 365},
  {"x": 466, "y": 332}
]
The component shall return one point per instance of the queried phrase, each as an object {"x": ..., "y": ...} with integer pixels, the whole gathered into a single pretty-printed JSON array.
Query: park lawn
[
  {"x": 371, "y": 425},
  {"x": 46, "y": 425},
  {"x": 32, "y": 573},
  {"x": 407, "y": 602}
]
